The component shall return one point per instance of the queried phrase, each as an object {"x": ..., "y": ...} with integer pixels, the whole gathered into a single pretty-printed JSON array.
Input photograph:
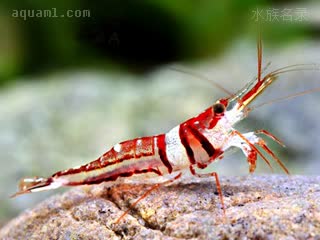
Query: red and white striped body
[{"x": 192, "y": 145}]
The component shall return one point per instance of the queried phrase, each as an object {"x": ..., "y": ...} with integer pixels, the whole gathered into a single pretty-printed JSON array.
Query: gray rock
[{"x": 258, "y": 207}]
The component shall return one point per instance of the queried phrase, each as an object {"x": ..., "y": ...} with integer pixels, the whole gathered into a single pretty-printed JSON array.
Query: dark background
[{"x": 132, "y": 35}]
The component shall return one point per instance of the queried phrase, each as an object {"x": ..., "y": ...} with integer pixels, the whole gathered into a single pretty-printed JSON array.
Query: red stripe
[
  {"x": 206, "y": 145},
  {"x": 183, "y": 133},
  {"x": 100, "y": 179},
  {"x": 145, "y": 147},
  {"x": 161, "y": 142},
  {"x": 129, "y": 150}
]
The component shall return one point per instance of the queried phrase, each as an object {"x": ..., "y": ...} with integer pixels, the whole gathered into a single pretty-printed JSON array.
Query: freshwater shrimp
[{"x": 191, "y": 146}]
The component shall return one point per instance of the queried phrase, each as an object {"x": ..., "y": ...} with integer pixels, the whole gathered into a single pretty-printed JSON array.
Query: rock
[{"x": 259, "y": 207}]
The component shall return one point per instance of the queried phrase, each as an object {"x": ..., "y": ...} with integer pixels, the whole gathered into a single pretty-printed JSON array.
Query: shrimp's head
[{"x": 235, "y": 108}]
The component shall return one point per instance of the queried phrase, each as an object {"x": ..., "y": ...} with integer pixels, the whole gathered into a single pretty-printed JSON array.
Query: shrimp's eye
[{"x": 218, "y": 108}]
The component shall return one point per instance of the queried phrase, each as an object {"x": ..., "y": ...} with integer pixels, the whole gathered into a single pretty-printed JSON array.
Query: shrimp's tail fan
[{"x": 36, "y": 184}]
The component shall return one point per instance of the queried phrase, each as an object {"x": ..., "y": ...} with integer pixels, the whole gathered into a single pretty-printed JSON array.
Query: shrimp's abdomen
[{"x": 137, "y": 156}]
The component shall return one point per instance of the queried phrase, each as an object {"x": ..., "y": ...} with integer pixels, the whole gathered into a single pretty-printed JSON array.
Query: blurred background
[{"x": 78, "y": 77}]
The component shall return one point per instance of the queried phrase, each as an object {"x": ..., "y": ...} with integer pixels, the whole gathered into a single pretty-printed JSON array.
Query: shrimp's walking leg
[
  {"x": 250, "y": 139},
  {"x": 270, "y": 135},
  {"x": 146, "y": 194},
  {"x": 215, "y": 175}
]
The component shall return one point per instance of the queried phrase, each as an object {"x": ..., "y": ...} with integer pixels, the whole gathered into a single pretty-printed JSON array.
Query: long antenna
[
  {"x": 298, "y": 94},
  {"x": 259, "y": 48},
  {"x": 191, "y": 73}
]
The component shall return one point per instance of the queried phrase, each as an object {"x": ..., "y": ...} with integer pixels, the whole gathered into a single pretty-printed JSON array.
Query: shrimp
[{"x": 191, "y": 146}]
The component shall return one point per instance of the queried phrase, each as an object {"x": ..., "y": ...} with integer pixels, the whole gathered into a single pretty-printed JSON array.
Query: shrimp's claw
[{"x": 35, "y": 184}]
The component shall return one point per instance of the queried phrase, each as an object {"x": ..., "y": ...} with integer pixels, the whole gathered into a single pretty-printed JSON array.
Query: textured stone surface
[{"x": 259, "y": 207}]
